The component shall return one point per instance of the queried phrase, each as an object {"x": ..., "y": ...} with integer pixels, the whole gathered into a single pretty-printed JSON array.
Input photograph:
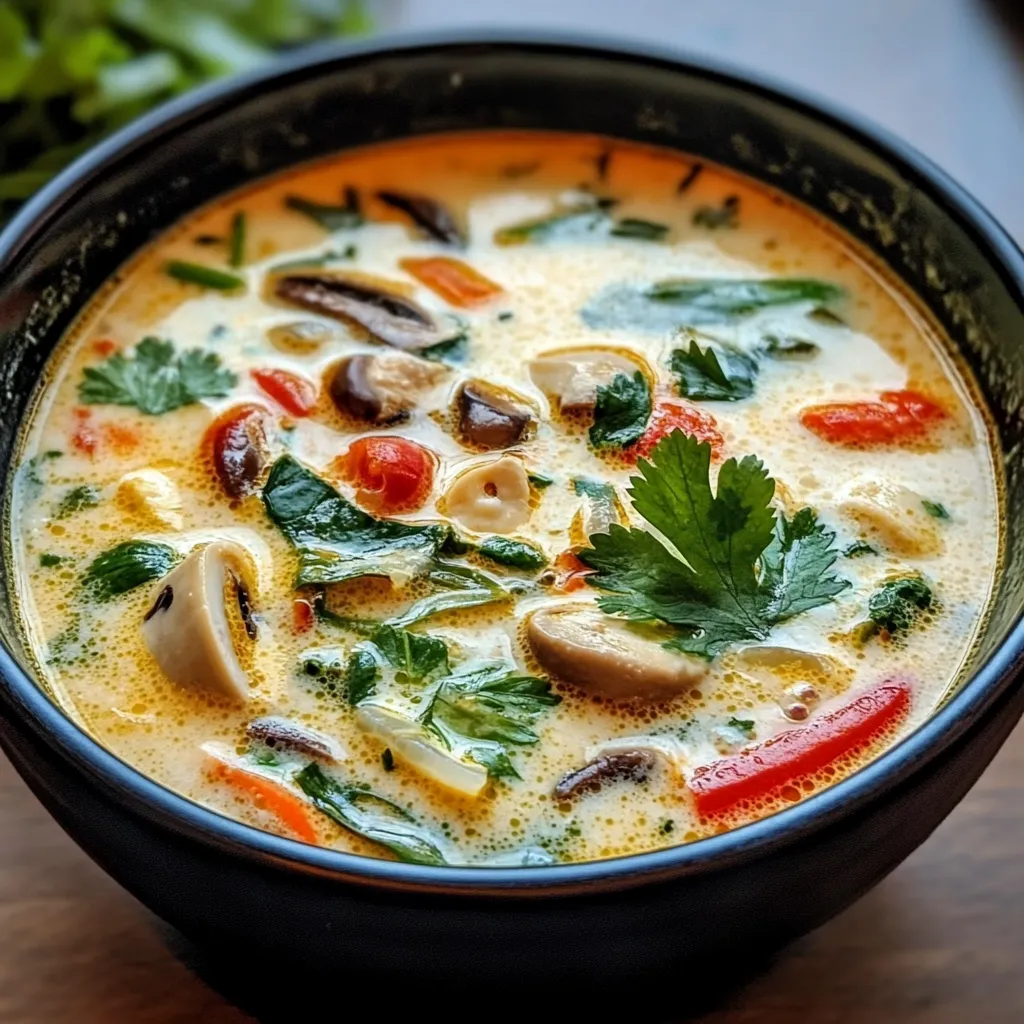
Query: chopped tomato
[
  {"x": 238, "y": 442},
  {"x": 456, "y": 282},
  {"x": 121, "y": 437},
  {"x": 104, "y": 347},
  {"x": 270, "y": 795},
  {"x": 898, "y": 417},
  {"x": 303, "y": 615},
  {"x": 293, "y": 393},
  {"x": 85, "y": 438},
  {"x": 669, "y": 416},
  {"x": 392, "y": 473},
  {"x": 759, "y": 770},
  {"x": 570, "y": 572}
]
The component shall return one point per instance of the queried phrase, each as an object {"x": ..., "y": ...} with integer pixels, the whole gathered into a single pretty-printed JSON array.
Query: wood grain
[{"x": 939, "y": 942}]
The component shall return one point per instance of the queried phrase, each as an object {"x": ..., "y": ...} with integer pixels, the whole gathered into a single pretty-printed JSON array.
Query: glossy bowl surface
[{"x": 762, "y": 884}]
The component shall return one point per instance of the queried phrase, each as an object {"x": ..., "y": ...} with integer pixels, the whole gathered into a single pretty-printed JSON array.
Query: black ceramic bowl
[{"x": 217, "y": 880}]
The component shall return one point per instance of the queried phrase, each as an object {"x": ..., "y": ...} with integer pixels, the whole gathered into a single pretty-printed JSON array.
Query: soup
[{"x": 503, "y": 499}]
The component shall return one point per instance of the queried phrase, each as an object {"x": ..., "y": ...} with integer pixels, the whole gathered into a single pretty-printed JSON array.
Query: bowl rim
[{"x": 166, "y": 808}]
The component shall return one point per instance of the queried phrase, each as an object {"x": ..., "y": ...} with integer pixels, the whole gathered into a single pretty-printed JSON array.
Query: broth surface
[{"x": 924, "y": 508}]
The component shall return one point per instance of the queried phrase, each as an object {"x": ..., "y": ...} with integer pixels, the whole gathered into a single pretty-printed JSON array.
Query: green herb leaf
[
  {"x": 372, "y": 817},
  {"x": 78, "y": 498},
  {"x": 578, "y": 223},
  {"x": 459, "y": 586},
  {"x": 515, "y": 553},
  {"x": 704, "y": 375},
  {"x": 361, "y": 675},
  {"x": 127, "y": 566},
  {"x": 154, "y": 380},
  {"x": 858, "y": 549},
  {"x": 743, "y": 725},
  {"x": 323, "y": 260},
  {"x": 744, "y": 569},
  {"x": 540, "y": 480},
  {"x": 452, "y": 350},
  {"x": 642, "y": 230},
  {"x": 236, "y": 241},
  {"x": 935, "y": 509},
  {"x": 332, "y": 217},
  {"x": 621, "y": 412},
  {"x": 724, "y": 216},
  {"x": 337, "y": 541},
  {"x": 48, "y": 561},
  {"x": 788, "y": 346},
  {"x": 896, "y": 605},
  {"x": 205, "y": 277},
  {"x": 699, "y": 301},
  {"x": 415, "y": 657}
]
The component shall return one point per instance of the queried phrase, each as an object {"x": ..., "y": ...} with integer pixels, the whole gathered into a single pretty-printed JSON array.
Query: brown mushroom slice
[
  {"x": 426, "y": 213},
  {"x": 284, "y": 734},
  {"x": 381, "y": 389},
  {"x": 386, "y": 314},
  {"x": 489, "y": 416},
  {"x": 624, "y": 765},
  {"x": 200, "y": 627},
  {"x": 608, "y": 656},
  {"x": 572, "y": 375}
]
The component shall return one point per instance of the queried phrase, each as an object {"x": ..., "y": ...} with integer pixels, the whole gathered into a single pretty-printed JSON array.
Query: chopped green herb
[
  {"x": 236, "y": 244},
  {"x": 935, "y": 509},
  {"x": 48, "y": 561},
  {"x": 323, "y": 260},
  {"x": 33, "y": 466},
  {"x": 331, "y": 217},
  {"x": 710, "y": 376},
  {"x": 743, "y": 725},
  {"x": 458, "y": 586},
  {"x": 505, "y": 315},
  {"x": 387, "y": 759},
  {"x": 540, "y": 480},
  {"x": 127, "y": 566},
  {"x": 515, "y": 553},
  {"x": 724, "y": 216},
  {"x": 451, "y": 350},
  {"x": 205, "y": 277},
  {"x": 896, "y": 605},
  {"x": 361, "y": 675},
  {"x": 698, "y": 301},
  {"x": 643, "y": 230},
  {"x": 858, "y": 549},
  {"x": 667, "y": 827},
  {"x": 788, "y": 346},
  {"x": 745, "y": 569},
  {"x": 335, "y": 540},
  {"x": 371, "y": 817},
  {"x": 155, "y": 380},
  {"x": 78, "y": 498},
  {"x": 823, "y": 315},
  {"x": 621, "y": 411},
  {"x": 576, "y": 223}
]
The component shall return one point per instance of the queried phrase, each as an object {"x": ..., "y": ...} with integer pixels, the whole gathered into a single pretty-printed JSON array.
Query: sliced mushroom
[
  {"x": 299, "y": 338},
  {"x": 894, "y": 515},
  {"x": 607, "y": 656},
  {"x": 411, "y": 744},
  {"x": 491, "y": 417},
  {"x": 381, "y": 388},
  {"x": 385, "y": 313},
  {"x": 284, "y": 734},
  {"x": 572, "y": 376},
  {"x": 149, "y": 494},
  {"x": 426, "y": 213},
  {"x": 238, "y": 441},
  {"x": 200, "y": 627},
  {"x": 626, "y": 765},
  {"x": 493, "y": 497}
]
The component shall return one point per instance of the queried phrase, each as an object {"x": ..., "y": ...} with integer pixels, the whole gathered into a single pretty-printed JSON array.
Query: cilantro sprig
[
  {"x": 621, "y": 411},
  {"x": 156, "y": 379},
  {"x": 707, "y": 375},
  {"x": 743, "y": 568}
]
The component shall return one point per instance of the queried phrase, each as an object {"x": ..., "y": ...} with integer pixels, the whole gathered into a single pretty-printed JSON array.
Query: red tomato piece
[
  {"x": 898, "y": 417},
  {"x": 85, "y": 438},
  {"x": 759, "y": 770},
  {"x": 303, "y": 615},
  {"x": 121, "y": 437},
  {"x": 393, "y": 474},
  {"x": 669, "y": 416},
  {"x": 238, "y": 442},
  {"x": 293, "y": 393},
  {"x": 104, "y": 347},
  {"x": 570, "y": 572},
  {"x": 456, "y": 282}
]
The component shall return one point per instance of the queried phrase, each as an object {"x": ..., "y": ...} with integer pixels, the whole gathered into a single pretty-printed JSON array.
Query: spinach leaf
[
  {"x": 515, "y": 553},
  {"x": 78, "y": 498},
  {"x": 699, "y": 301},
  {"x": 459, "y": 586},
  {"x": 621, "y": 411},
  {"x": 710, "y": 376},
  {"x": 154, "y": 380},
  {"x": 361, "y": 675},
  {"x": 127, "y": 566},
  {"x": 415, "y": 657},
  {"x": 335, "y": 540},
  {"x": 372, "y": 817}
]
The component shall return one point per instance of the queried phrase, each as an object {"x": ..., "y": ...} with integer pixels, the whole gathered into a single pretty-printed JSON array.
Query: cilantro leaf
[
  {"x": 371, "y": 816},
  {"x": 621, "y": 411},
  {"x": 127, "y": 566},
  {"x": 154, "y": 380},
  {"x": 742, "y": 568},
  {"x": 335, "y": 540},
  {"x": 896, "y": 605},
  {"x": 416, "y": 657},
  {"x": 710, "y": 376}
]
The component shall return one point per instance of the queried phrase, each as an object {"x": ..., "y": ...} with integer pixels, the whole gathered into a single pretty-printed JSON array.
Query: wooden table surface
[{"x": 941, "y": 941}]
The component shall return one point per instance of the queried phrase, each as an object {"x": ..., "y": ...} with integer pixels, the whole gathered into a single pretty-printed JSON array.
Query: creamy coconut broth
[{"x": 325, "y": 517}]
